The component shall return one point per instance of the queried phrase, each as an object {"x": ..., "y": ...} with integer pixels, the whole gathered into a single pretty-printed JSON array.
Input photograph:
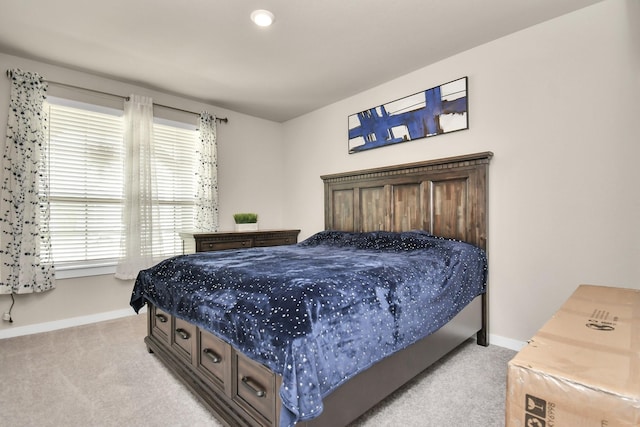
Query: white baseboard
[
  {"x": 509, "y": 343},
  {"x": 110, "y": 315},
  {"x": 11, "y": 332}
]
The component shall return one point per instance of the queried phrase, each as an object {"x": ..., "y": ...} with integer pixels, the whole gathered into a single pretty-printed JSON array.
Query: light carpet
[{"x": 102, "y": 375}]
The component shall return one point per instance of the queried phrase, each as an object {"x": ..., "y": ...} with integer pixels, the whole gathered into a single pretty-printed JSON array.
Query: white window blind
[
  {"x": 86, "y": 184},
  {"x": 175, "y": 165},
  {"x": 85, "y": 158}
]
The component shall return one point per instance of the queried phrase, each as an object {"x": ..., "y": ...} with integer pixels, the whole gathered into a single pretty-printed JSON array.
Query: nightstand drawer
[
  {"x": 220, "y": 241},
  {"x": 276, "y": 242},
  {"x": 217, "y": 245}
]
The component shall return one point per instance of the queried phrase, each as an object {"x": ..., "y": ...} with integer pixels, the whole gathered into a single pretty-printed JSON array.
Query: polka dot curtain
[{"x": 26, "y": 264}]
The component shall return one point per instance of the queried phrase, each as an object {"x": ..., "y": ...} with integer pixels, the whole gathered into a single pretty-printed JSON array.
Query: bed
[{"x": 317, "y": 333}]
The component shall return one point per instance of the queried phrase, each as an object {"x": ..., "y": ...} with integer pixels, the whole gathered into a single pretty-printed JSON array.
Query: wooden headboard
[{"x": 447, "y": 197}]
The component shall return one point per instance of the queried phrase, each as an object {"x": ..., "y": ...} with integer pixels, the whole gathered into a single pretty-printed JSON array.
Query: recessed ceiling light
[{"x": 262, "y": 18}]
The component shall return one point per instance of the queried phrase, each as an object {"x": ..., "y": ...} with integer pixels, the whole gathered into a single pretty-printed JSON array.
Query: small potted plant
[{"x": 246, "y": 221}]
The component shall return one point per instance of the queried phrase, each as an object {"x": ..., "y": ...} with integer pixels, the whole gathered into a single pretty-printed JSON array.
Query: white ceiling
[{"x": 317, "y": 52}]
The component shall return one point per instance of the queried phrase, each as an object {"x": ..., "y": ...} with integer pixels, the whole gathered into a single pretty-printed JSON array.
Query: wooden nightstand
[{"x": 219, "y": 241}]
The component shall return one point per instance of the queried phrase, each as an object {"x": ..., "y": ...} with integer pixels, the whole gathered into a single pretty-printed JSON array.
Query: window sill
[{"x": 70, "y": 273}]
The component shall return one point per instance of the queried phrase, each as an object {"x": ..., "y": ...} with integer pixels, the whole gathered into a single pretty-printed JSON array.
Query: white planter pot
[{"x": 247, "y": 227}]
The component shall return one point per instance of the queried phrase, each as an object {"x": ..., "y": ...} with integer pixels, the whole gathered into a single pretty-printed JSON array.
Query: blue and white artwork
[{"x": 435, "y": 111}]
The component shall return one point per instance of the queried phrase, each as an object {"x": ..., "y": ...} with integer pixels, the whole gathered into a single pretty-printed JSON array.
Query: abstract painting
[{"x": 435, "y": 111}]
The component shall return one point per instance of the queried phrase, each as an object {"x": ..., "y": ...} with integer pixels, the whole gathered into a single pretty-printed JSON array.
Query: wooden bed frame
[{"x": 447, "y": 197}]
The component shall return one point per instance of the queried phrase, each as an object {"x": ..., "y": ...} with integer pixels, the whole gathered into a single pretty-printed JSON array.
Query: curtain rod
[{"x": 219, "y": 119}]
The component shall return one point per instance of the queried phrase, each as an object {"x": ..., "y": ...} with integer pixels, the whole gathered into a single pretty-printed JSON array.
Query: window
[
  {"x": 175, "y": 146},
  {"x": 86, "y": 161}
]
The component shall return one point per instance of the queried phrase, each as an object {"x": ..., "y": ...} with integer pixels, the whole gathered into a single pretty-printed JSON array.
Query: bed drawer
[
  {"x": 214, "y": 360},
  {"x": 217, "y": 245},
  {"x": 255, "y": 389},
  {"x": 183, "y": 339},
  {"x": 160, "y": 324}
]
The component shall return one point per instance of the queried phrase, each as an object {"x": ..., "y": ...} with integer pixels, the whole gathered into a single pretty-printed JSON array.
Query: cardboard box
[{"x": 583, "y": 367}]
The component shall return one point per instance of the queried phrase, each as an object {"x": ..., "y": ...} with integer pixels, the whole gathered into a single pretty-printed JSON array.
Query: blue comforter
[{"x": 323, "y": 310}]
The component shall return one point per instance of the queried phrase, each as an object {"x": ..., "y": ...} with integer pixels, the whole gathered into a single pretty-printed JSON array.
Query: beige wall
[
  {"x": 250, "y": 179},
  {"x": 558, "y": 105}
]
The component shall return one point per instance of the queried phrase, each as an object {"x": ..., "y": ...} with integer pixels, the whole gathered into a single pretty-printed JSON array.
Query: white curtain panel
[
  {"x": 25, "y": 246},
  {"x": 140, "y": 191},
  {"x": 206, "y": 202}
]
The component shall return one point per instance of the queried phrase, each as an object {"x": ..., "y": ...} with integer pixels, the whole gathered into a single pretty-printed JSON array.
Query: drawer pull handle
[
  {"x": 161, "y": 318},
  {"x": 183, "y": 334},
  {"x": 212, "y": 355},
  {"x": 253, "y": 386}
]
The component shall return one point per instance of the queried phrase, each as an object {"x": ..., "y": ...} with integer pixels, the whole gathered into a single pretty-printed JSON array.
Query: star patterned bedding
[{"x": 320, "y": 311}]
